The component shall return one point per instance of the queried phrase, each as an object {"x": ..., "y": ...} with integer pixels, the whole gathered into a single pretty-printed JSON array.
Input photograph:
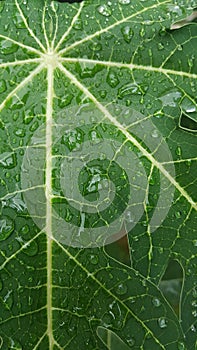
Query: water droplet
[
  {"x": 8, "y": 299},
  {"x": 7, "y": 47},
  {"x": 160, "y": 46},
  {"x": 171, "y": 98},
  {"x": 155, "y": 134},
  {"x": 8, "y": 160},
  {"x": 127, "y": 33},
  {"x": 95, "y": 46},
  {"x": 156, "y": 302},
  {"x": 129, "y": 217},
  {"x": 178, "y": 151},
  {"x": 162, "y": 322},
  {"x": 1, "y": 6},
  {"x": 181, "y": 346},
  {"x": 31, "y": 249},
  {"x": 178, "y": 214},
  {"x": 195, "y": 243},
  {"x": 78, "y": 24},
  {"x": 194, "y": 313},
  {"x": 6, "y": 227},
  {"x": 193, "y": 328},
  {"x": 15, "y": 345},
  {"x": 65, "y": 101},
  {"x": 93, "y": 259},
  {"x": 194, "y": 292},
  {"x": 24, "y": 230},
  {"x": 121, "y": 289},
  {"x": 124, "y": 2},
  {"x": 18, "y": 21},
  {"x": 104, "y": 10},
  {"x": 95, "y": 137},
  {"x": 112, "y": 79},
  {"x": 2, "y": 86}
]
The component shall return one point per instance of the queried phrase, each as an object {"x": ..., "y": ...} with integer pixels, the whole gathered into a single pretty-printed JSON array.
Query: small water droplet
[
  {"x": 156, "y": 302},
  {"x": 129, "y": 217},
  {"x": 8, "y": 160},
  {"x": 112, "y": 78},
  {"x": 178, "y": 214},
  {"x": 162, "y": 322},
  {"x": 155, "y": 134},
  {"x": 124, "y": 2},
  {"x": 121, "y": 289},
  {"x": 178, "y": 151},
  {"x": 127, "y": 33},
  {"x": 93, "y": 259},
  {"x": 104, "y": 10},
  {"x": 3, "y": 86},
  {"x": 195, "y": 243},
  {"x": 6, "y": 227},
  {"x": 193, "y": 328},
  {"x": 194, "y": 313},
  {"x": 78, "y": 24},
  {"x": 181, "y": 346}
]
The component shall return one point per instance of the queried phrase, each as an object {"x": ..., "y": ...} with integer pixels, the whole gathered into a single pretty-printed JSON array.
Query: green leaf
[{"x": 97, "y": 154}]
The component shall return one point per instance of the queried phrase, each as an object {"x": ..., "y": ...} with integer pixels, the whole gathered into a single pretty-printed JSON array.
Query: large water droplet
[
  {"x": 8, "y": 160},
  {"x": 162, "y": 322},
  {"x": 18, "y": 21},
  {"x": 156, "y": 302},
  {"x": 7, "y": 47},
  {"x": 121, "y": 289},
  {"x": 6, "y": 227},
  {"x": 104, "y": 10},
  {"x": 31, "y": 249},
  {"x": 127, "y": 33},
  {"x": 15, "y": 345}
]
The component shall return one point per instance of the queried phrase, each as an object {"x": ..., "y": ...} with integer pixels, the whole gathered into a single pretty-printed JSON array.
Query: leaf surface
[{"x": 98, "y": 140}]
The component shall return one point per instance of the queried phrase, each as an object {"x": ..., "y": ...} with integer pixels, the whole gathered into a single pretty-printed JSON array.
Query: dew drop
[
  {"x": 155, "y": 134},
  {"x": 31, "y": 249},
  {"x": 15, "y": 345},
  {"x": 127, "y": 33},
  {"x": 2, "y": 86},
  {"x": 178, "y": 214},
  {"x": 6, "y": 227},
  {"x": 181, "y": 346},
  {"x": 195, "y": 243},
  {"x": 1, "y": 6},
  {"x": 193, "y": 328},
  {"x": 112, "y": 79},
  {"x": 129, "y": 217},
  {"x": 124, "y": 2},
  {"x": 8, "y": 160},
  {"x": 104, "y": 10},
  {"x": 156, "y": 302},
  {"x": 194, "y": 292},
  {"x": 162, "y": 322},
  {"x": 18, "y": 21},
  {"x": 178, "y": 151},
  {"x": 93, "y": 259},
  {"x": 121, "y": 289},
  {"x": 8, "y": 299},
  {"x": 7, "y": 47},
  {"x": 194, "y": 313}
]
